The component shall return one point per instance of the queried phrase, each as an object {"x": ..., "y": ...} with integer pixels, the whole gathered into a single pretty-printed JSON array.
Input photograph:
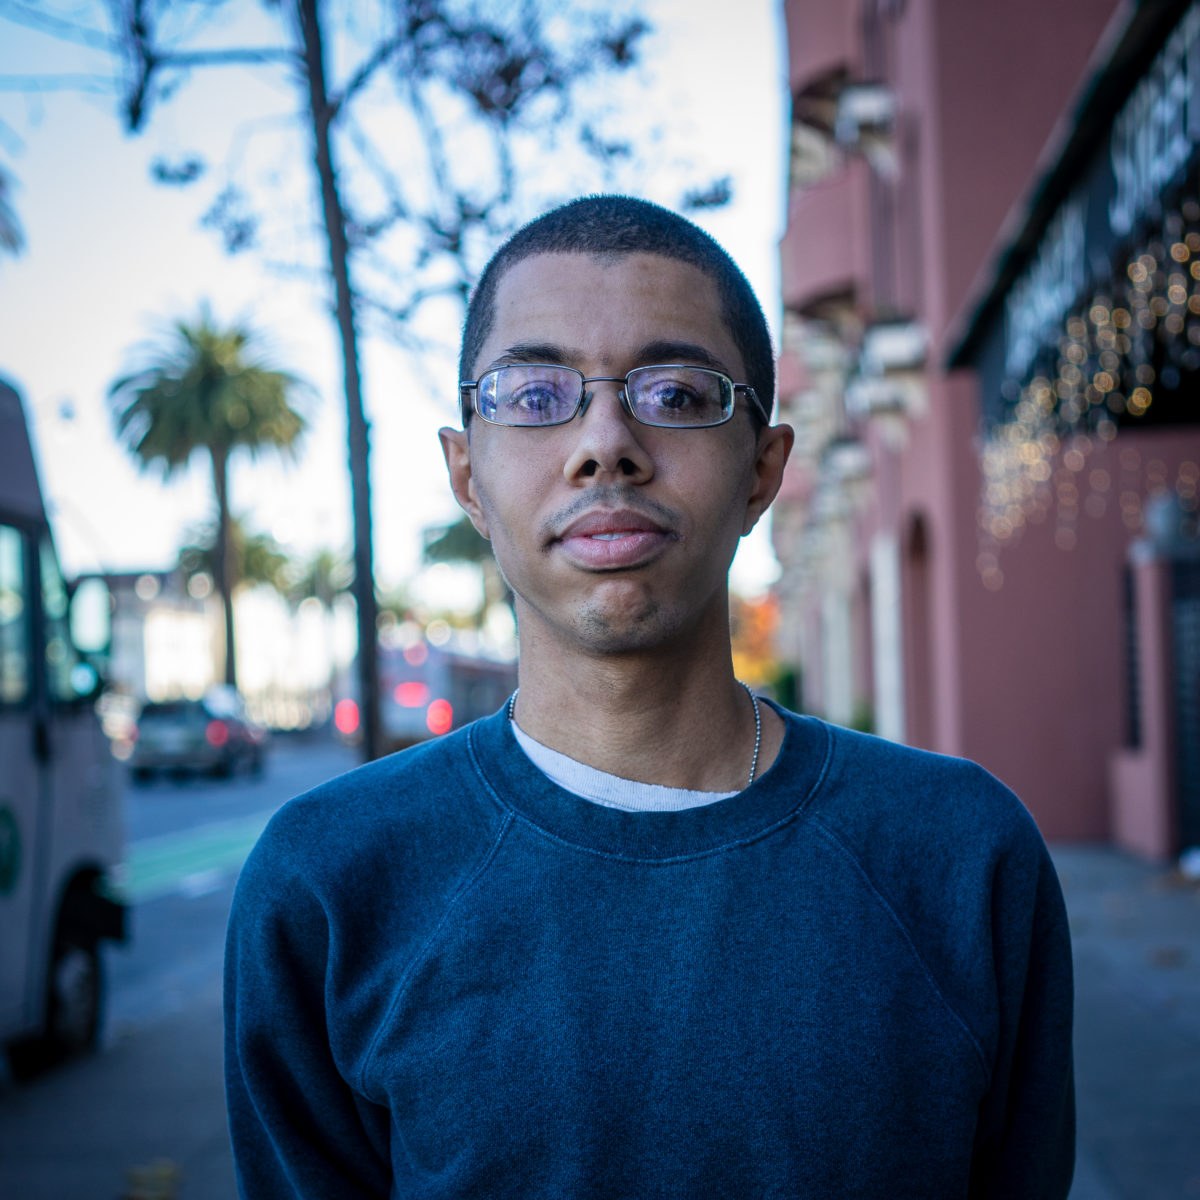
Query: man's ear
[
  {"x": 774, "y": 446},
  {"x": 456, "y": 446}
]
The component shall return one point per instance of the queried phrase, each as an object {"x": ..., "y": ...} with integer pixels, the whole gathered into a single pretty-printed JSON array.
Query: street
[
  {"x": 144, "y": 1119},
  {"x": 187, "y": 841}
]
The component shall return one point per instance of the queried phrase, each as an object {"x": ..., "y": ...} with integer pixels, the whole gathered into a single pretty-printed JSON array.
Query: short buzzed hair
[{"x": 607, "y": 225}]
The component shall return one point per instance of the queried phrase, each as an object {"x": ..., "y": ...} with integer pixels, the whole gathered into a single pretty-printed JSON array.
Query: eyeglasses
[{"x": 673, "y": 396}]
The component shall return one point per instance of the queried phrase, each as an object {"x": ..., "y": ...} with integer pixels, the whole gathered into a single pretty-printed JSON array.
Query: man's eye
[
  {"x": 535, "y": 398},
  {"x": 671, "y": 394},
  {"x": 528, "y": 396},
  {"x": 674, "y": 399}
]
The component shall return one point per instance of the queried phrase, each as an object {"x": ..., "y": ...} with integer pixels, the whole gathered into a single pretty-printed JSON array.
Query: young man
[{"x": 641, "y": 934}]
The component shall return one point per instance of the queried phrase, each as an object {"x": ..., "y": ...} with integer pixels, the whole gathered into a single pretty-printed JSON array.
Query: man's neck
[{"x": 676, "y": 719}]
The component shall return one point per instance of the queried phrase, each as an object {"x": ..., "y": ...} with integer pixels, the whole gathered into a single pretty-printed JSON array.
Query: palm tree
[
  {"x": 324, "y": 576},
  {"x": 257, "y": 557},
  {"x": 204, "y": 388},
  {"x": 461, "y": 542}
]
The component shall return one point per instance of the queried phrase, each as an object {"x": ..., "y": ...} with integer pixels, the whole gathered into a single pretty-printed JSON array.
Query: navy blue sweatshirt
[{"x": 448, "y": 977}]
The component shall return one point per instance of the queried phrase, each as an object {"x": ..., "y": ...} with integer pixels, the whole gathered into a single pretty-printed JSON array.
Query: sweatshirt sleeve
[
  {"x": 1025, "y": 1148},
  {"x": 298, "y": 1127}
]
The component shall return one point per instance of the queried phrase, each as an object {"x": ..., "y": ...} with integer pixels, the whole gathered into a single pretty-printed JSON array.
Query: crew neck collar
[{"x": 772, "y": 799}]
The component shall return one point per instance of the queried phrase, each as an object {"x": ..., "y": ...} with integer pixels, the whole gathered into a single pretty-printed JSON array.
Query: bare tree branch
[
  {"x": 383, "y": 54},
  {"x": 56, "y": 83},
  {"x": 397, "y": 208},
  {"x": 147, "y": 60},
  {"x": 137, "y": 46},
  {"x": 44, "y": 22},
  {"x": 234, "y": 56},
  {"x": 431, "y": 135},
  {"x": 12, "y": 236}
]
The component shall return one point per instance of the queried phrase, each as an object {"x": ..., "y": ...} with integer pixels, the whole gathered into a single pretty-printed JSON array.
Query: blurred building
[
  {"x": 161, "y": 642},
  {"x": 167, "y": 641},
  {"x": 991, "y": 354}
]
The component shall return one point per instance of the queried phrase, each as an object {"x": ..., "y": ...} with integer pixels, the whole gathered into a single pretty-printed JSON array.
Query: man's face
[{"x": 614, "y": 536}]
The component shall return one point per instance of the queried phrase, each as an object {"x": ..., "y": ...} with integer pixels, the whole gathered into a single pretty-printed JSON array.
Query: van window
[
  {"x": 14, "y": 618},
  {"x": 61, "y": 658}
]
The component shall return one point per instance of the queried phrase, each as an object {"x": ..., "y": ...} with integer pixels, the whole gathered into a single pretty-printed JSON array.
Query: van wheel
[
  {"x": 76, "y": 986},
  {"x": 73, "y": 1005}
]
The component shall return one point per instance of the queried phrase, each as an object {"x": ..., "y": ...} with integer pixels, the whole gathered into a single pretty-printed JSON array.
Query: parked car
[{"x": 212, "y": 734}]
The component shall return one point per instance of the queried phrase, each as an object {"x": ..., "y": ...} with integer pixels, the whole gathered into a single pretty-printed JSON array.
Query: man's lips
[{"x": 612, "y": 540}]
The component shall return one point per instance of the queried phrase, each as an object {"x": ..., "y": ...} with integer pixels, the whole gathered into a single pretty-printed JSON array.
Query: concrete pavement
[
  {"x": 1136, "y": 935},
  {"x": 142, "y": 1120},
  {"x": 154, "y": 1095}
]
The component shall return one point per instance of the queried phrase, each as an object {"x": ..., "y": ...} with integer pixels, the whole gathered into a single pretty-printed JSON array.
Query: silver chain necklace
[
  {"x": 757, "y": 732},
  {"x": 512, "y": 708}
]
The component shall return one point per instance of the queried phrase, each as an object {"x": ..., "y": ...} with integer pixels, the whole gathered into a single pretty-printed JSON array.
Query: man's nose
[{"x": 608, "y": 441}]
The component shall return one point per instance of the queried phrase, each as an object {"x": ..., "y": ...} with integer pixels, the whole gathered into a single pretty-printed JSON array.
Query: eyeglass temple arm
[{"x": 749, "y": 390}]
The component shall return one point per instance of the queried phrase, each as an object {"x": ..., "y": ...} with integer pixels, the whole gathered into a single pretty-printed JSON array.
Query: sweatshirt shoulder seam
[
  {"x": 901, "y": 927},
  {"x": 481, "y": 774},
  {"x": 406, "y": 976}
]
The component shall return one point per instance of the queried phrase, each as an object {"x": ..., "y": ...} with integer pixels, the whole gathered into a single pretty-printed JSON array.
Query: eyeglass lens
[{"x": 537, "y": 394}]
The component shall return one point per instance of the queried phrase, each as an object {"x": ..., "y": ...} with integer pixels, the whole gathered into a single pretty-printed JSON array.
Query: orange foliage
[{"x": 753, "y": 624}]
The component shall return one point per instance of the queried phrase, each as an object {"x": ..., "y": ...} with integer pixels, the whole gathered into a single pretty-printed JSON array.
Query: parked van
[{"x": 61, "y": 826}]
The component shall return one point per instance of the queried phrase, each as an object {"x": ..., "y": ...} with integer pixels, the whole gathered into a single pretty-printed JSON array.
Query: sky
[{"x": 111, "y": 257}]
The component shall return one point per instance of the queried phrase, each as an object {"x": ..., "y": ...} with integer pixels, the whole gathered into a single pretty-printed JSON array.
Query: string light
[{"x": 1114, "y": 356}]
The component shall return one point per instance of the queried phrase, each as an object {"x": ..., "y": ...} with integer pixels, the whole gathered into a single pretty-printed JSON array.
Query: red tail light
[
  {"x": 412, "y": 694},
  {"x": 345, "y": 717},
  {"x": 216, "y": 733},
  {"x": 439, "y": 717}
]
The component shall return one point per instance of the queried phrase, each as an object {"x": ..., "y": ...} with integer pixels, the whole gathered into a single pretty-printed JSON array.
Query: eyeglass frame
[{"x": 585, "y": 398}]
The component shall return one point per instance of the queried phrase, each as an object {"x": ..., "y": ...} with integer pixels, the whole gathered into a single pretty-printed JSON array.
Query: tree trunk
[
  {"x": 359, "y": 448},
  {"x": 223, "y": 579}
]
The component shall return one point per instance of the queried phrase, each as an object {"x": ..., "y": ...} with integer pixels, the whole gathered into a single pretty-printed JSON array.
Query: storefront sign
[
  {"x": 1157, "y": 131},
  {"x": 1044, "y": 294},
  {"x": 1152, "y": 145}
]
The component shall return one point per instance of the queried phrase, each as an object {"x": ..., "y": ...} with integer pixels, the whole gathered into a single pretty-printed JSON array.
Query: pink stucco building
[{"x": 991, "y": 353}]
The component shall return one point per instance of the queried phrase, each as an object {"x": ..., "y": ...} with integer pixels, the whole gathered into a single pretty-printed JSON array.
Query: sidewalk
[
  {"x": 142, "y": 1120},
  {"x": 1136, "y": 933}
]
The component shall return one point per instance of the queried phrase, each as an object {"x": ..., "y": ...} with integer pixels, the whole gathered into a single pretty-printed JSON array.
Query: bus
[
  {"x": 61, "y": 823},
  {"x": 427, "y": 690}
]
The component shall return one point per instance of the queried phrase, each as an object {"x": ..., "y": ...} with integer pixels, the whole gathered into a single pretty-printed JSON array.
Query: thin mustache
[{"x": 611, "y": 496}]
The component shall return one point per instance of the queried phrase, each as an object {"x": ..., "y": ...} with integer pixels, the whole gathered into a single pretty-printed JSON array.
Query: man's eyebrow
[
  {"x": 535, "y": 352},
  {"x": 680, "y": 352},
  {"x": 661, "y": 351}
]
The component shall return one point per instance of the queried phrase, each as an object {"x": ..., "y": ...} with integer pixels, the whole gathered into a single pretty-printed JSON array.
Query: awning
[{"x": 1098, "y": 245}]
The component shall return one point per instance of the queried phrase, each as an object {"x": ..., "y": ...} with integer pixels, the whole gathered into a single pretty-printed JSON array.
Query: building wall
[
  {"x": 991, "y": 82},
  {"x": 981, "y": 88},
  {"x": 1046, "y": 710},
  {"x": 1025, "y": 675}
]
